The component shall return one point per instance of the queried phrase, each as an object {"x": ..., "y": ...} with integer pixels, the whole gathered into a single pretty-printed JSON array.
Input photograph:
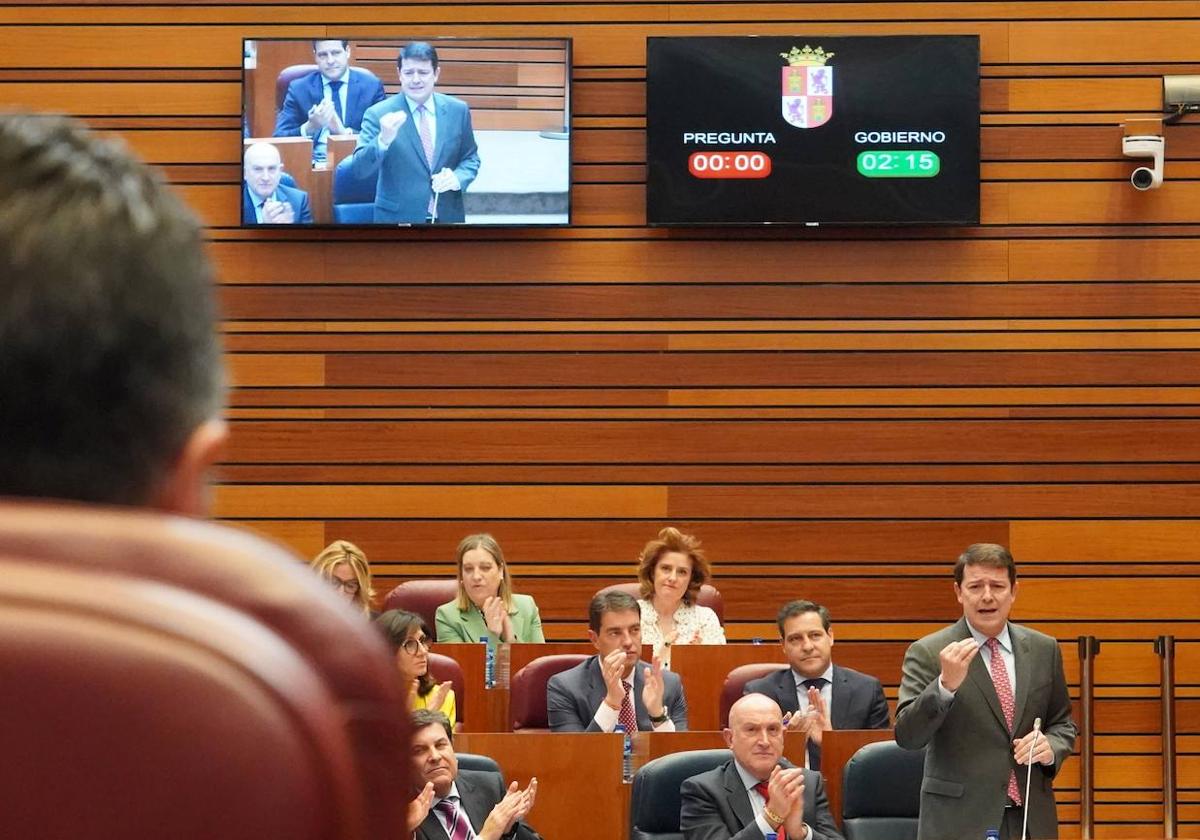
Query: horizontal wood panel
[
  {"x": 718, "y": 369},
  {"x": 633, "y": 442},
  {"x": 746, "y": 300},
  {"x": 714, "y": 501}
]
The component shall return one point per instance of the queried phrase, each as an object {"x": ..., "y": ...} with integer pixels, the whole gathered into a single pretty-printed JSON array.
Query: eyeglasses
[
  {"x": 410, "y": 645},
  {"x": 349, "y": 586}
]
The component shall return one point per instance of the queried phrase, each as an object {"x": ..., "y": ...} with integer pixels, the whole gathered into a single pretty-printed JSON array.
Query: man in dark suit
[
  {"x": 331, "y": 100},
  {"x": 421, "y": 146},
  {"x": 614, "y": 688},
  {"x": 818, "y": 694},
  {"x": 265, "y": 201},
  {"x": 448, "y": 800},
  {"x": 756, "y": 794},
  {"x": 970, "y": 695}
]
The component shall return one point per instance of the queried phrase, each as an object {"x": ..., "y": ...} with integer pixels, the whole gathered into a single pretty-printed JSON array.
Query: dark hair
[
  {"x": 986, "y": 554},
  {"x": 420, "y": 718},
  {"x": 395, "y": 626},
  {"x": 418, "y": 51},
  {"x": 799, "y": 607},
  {"x": 672, "y": 539},
  {"x": 345, "y": 44},
  {"x": 107, "y": 319},
  {"x": 605, "y": 602}
]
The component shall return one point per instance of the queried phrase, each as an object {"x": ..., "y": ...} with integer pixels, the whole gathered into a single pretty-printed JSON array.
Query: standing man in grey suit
[
  {"x": 614, "y": 687},
  {"x": 970, "y": 695},
  {"x": 421, "y": 146},
  {"x": 819, "y": 695},
  {"x": 453, "y": 804},
  {"x": 756, "y": 793}
]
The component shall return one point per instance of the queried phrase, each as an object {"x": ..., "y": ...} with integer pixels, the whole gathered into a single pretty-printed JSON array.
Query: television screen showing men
[{"x": 406, "y": 132}]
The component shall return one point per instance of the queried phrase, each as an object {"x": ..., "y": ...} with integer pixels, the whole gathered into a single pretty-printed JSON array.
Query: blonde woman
[
  {"x": 345, "y": 566},
  {"x": 486, "y": 606},
  {"x": 671, "y": 570}
]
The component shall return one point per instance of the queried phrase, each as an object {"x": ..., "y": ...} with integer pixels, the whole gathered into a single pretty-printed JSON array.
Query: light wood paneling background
[{"x": 837, "y": 413}]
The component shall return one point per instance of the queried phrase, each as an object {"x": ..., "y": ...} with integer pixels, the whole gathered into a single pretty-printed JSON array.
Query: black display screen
[{"x": 810, "y": 129}]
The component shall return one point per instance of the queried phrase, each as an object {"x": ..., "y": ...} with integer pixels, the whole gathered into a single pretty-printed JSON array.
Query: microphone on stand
[{"x": 1037, "y": 730}]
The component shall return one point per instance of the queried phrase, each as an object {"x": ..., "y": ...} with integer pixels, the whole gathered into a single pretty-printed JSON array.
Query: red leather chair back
[
  {"x": 527, "y": 690},
  {"x": 171, "y": 678},
  {"x": 286, "y": 76},
  {"x": 422, "y": 596},
  {"x": 443, "y": 668},
  {"x": 735, "y": 683},
  {"x": 709, "y": 596}
]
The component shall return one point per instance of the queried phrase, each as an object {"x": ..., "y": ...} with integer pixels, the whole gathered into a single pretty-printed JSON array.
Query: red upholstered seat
[
  {"x": 166, "y": 677},
  {"x": 527, "y": 690},
  {"x": 443, "y": 668},
  {"x": 735, "y": 683},
  {"x": 286, "y": 76},
  {"x": 709, "y": 596},
  {"x": 423, "y": 596}
]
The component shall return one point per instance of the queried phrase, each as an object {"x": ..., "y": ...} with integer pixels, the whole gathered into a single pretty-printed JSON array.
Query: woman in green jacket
[{"x": 486, "y": 606}]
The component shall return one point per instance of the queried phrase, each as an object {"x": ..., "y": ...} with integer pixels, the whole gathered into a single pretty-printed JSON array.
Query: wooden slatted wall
[{"x": 836, "y": 413}]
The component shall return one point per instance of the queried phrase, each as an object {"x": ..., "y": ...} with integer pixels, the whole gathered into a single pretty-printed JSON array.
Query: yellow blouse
[{"x": 422, "y": 702}]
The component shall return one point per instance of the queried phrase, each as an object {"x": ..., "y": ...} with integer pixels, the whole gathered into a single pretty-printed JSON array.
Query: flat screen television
[
  {"x": 405, "y": 131},
  {"x": 813, "y": 129}
]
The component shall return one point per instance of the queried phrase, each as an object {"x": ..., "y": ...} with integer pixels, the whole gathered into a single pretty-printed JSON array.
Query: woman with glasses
[
  {"x": 409, "y": 638},
  {"x": 486, "y": 606},
  {"x": 346, "y": 568}
]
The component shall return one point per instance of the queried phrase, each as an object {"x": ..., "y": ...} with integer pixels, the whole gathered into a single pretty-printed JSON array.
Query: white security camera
[{"x": 1145, "y": 146}]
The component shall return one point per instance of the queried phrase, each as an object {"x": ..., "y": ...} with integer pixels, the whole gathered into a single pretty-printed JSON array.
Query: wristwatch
[{"x": 661, "y": 718}]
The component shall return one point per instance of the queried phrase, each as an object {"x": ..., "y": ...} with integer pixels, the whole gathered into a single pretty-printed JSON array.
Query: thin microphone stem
[{"x": 1037, "y": 730}]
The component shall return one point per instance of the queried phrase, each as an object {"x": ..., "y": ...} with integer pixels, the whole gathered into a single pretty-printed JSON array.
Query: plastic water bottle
[
  {"x": 757, "y": 640},
  {"x": 992, "y": 834},
  {"x": 489, "y": 663},
  {"x": 771, "y": 836},
  {"x": 626, "y": 754}
]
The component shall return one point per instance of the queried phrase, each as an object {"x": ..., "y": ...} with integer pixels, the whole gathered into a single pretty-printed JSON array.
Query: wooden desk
[
  {"x": 580, "y": 792},
  {"x": 837, "y": 747},
  {"x": 474, "y": 709},
  {"x": 703, "y": 669}
]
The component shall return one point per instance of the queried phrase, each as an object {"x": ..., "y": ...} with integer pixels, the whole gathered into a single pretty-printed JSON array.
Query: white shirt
[
  {"x": 606, "y": 715},
  {"x": 757, "y": 804},
  {"x": 694, "y": 625}
]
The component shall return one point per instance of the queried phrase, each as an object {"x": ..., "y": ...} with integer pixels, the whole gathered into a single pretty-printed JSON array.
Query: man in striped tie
[
  {"x": 458, "y": 804},
  {"x": 970, "y": 695}
]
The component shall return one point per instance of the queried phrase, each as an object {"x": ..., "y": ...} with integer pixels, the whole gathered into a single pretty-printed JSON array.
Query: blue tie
[{"x": 334, "y": 88}]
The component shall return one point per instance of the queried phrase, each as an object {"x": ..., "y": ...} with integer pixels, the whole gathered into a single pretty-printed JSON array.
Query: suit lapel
[
  {"x": 739, "y": 800},
  {"x": 431, "y": 828},
  {"x": 977, "y": 673},
  {"x": 839, "y": 699},
  {"x": 596, "y": 689},
  {"x": 1023, "y": 668},
  {"x": 785, "y": 686},
  {"x": 473, "y": 803},
  {"x": 443, "y": 121}
]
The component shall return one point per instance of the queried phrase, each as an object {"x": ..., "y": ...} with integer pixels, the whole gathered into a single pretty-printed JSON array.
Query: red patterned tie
[
  {"x": 427, "y": 145},
  {"x": 456, "y": 819},
  {"x": 1005, "y": 693},
  {"x": 761, "y": 790},
  {"x": 627, "y": 717}
]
